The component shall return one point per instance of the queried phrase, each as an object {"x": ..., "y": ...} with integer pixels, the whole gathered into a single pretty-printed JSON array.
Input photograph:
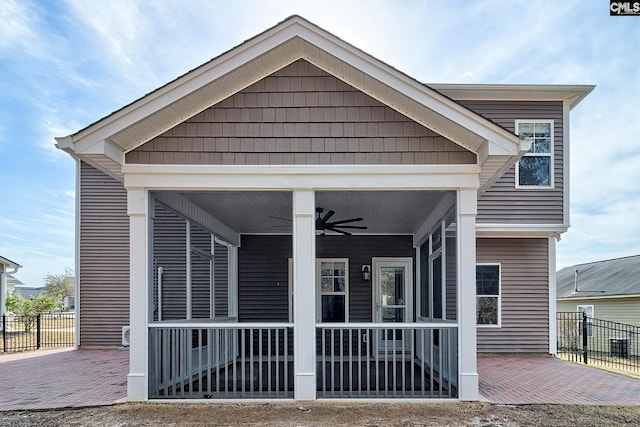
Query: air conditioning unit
[{"x": 126, "y": 341}]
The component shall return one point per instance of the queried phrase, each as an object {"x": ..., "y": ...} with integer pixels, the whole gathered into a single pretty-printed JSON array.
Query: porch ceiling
[{"x": 384, "y": 212}]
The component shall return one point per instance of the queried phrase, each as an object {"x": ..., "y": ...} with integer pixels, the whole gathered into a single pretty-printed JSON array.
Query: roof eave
[
  {"x": 573, "y": 94},
  {"x": 9, "y": 263}
]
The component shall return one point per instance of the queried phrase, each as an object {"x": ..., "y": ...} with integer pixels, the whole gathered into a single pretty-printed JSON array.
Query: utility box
[{"x": 619, "y": 347}]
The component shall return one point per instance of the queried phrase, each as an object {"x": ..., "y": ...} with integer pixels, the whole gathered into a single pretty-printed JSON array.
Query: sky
[{"x": 66, "y": 64}]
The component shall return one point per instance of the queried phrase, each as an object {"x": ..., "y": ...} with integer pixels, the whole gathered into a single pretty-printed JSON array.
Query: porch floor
[{"x": 353, "y": 379}]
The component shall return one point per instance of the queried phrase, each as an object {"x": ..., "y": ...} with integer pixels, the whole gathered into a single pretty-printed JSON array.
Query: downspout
[{"x": 160, "y": 272}]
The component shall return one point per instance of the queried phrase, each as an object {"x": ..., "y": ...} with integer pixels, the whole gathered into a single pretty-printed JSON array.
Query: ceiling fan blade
[
  {"x": 328, "y": 215},
  {"x": 355, "y": 227},
  {"x": 346, "y": 233},
  {"x": 345, "y": 221},
  {"x": 277, "y": 217}
]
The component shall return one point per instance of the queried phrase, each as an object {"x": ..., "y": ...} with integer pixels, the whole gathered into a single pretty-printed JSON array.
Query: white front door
[{"x": 392, "y": 282}]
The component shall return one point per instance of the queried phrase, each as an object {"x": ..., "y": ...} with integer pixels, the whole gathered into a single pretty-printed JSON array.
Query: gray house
[{"x": 296, "y": 219}]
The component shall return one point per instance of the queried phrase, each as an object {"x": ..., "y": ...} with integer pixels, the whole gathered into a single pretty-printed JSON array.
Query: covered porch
[{"x": 368, "y": 315}]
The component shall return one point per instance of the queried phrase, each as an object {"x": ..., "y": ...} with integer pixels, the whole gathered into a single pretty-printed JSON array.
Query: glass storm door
[{"x": 393, "y": 286}]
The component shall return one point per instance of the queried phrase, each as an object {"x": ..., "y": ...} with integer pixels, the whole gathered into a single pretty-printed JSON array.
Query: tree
[
  {"x": 59, "y": 286},
  {"x": 29, "y": 309}
]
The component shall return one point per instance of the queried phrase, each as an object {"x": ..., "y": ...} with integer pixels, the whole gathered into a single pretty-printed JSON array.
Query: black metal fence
[
  {"x": 598, "y": 342},
  {"x": 21, "y": 333}
]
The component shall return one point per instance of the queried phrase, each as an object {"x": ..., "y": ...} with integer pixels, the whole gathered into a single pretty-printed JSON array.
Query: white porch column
[
  {"x": 304, "y": 254},
  {"x": 137, "y": 208},
  {"x": 467, "y": 210}
]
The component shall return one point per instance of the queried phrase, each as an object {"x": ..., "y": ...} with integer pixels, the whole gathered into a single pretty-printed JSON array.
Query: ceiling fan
[{"x": 323, "y": 224}]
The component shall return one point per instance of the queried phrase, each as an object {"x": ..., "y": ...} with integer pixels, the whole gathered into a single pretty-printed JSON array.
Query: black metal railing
[
  {"x": 22, "y": 333},
  {"x": 598, "y": 342}
]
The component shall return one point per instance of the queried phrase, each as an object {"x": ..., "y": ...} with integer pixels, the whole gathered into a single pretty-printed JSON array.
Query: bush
[{"x": 29, "y": 309}]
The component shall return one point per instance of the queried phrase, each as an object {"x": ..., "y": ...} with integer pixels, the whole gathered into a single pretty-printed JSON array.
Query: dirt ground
[{"x": 328, "y": 414}]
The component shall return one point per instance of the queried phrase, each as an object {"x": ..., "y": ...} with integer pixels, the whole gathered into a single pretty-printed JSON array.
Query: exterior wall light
[{"x": 366, "y": 272}]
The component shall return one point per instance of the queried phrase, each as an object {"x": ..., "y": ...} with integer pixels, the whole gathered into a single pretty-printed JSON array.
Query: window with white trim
[
  {"x": 333, "y": 292},
  {"x": 588, "y": 310},
  {"x": 535, "y": 168},
  {"x": 488, "y": 294}
]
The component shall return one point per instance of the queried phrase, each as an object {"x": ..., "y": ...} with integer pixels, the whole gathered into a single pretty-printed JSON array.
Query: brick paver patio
[
  {"x": 62, "y": 378},
  {"x": 75, "y": 378},
  {"x": 532, "y": 379}
]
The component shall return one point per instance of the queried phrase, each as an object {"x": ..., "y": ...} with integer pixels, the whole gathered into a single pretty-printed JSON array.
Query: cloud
[{"x": 15, "y": 31}]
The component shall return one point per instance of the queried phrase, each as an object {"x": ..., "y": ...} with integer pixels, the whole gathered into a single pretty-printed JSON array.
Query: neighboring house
[
  {"x": 26, "y": 292},
  {"x": 200, "y": 225},
  {"x": 12, "y": 284},
  {"x": 607, "y": 290},
  {"x": 7, "y": 268}
]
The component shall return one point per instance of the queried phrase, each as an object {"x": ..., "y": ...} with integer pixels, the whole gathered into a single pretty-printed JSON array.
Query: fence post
[
  {"x": 584, "y": 336},
  {"x": 38, "y": 331},
  {"x": 4, "y": 333}
]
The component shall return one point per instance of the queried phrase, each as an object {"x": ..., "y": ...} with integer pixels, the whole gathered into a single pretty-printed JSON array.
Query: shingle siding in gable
[
  {"x": 104, "y": 258},
  {"x": 503, "y": 203},
  {"x": 300, "y": 115}
]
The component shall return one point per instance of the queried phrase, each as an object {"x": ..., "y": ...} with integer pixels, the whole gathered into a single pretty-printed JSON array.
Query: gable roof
[
  {"x": 13, "y": 282},
  {"x": 27, "y": 292},
  {"x": 104, "y": 143},
  {"x": 614, "y": 277}
]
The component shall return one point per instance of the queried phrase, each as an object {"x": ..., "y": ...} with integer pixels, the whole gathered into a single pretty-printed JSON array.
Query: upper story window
[{"x": 535, "y": 169}]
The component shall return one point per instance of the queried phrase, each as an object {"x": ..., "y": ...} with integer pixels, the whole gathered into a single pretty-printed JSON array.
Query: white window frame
[
  {"x": 499, "y": 296},
  {"x": 589, "y": 319},
  {"x": 550, "y": 155},
  {"x": 319, "y": 292}
]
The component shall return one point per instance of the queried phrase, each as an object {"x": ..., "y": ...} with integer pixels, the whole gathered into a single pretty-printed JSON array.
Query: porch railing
[
  {"x": 220, "y": 360},
  {"x": 402, "y": 360}
]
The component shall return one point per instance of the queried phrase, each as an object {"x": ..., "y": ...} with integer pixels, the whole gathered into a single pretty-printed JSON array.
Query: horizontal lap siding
[
  {"x": 525, "y": 297},
  {"x": 263, "y": 271},
  {"x": 620, "y": 310},
  {"x": 300, "y": 115},
  {"x": 170, "y": 253},
  {"x": 104, "y": 258},
  {"x": 503, "y": 203},
  {"x": 200, "y": 274},
  {"x": 263, "y": 278},
  {"x": 221, "y": 269}
]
